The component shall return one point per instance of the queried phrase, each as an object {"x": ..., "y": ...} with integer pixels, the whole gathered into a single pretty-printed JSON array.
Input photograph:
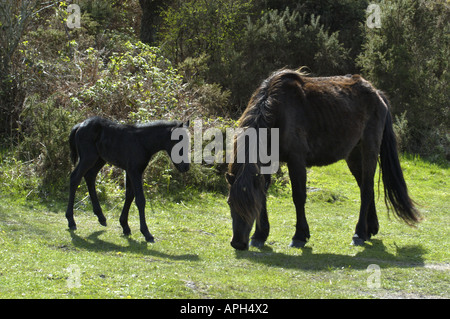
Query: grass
[{"x": 192, "y": 258}]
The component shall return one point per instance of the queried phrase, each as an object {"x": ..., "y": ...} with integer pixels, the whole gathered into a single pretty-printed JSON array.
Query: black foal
[{"x": 97, "y": 141}]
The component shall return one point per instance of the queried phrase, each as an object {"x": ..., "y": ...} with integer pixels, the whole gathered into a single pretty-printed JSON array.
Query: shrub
[
  {"x": 283, "y": 39},
  {"x": 136, "y": 84},
  {"x": 408, "y": 57},
  {"x": 45, "y": 131}
]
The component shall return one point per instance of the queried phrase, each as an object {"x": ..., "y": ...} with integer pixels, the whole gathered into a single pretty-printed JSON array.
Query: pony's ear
[{"x": 230, "y": 178}]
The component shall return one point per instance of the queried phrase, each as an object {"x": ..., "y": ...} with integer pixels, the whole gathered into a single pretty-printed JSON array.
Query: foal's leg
[
  {"x": 136, "y": 181},
  {"x": 262, "y": 229},
  {"x": 75, "y": 179},
  {"x": 90, "y": 182},
  {"x": 297, "y": 174},
  {"x": 129, "y": 196},
  {"x": 354, "y": 162},
  {"x": 83, "y": 166}
]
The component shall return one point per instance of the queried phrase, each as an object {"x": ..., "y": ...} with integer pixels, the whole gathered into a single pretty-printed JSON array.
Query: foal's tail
[
  {"x": 394, "y": 184},
  {"x": 73, "y": 147}
]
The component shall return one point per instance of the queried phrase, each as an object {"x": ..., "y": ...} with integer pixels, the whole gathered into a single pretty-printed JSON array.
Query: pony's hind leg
[
  {"x": 354, "y": 162},
  {"x": 90, "y": 177},
  {"x": 367, "y": 222}
]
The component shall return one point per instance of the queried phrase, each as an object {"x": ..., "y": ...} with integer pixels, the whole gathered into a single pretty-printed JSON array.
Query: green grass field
[{"x": 192, "y": 257}]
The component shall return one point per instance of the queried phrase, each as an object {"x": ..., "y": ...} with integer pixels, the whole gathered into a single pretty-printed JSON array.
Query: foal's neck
[{"x": 155, "y": 137}]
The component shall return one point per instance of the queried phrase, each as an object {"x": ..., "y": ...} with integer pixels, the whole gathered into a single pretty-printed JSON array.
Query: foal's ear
[
  {"x": 230, "y": 178},
  {"x": 180, "y": 125}
]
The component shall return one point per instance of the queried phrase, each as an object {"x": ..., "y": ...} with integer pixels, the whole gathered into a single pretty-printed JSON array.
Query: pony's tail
[
  {"x": 73, "y": 147},
  {"x": 395, "y": 189}
]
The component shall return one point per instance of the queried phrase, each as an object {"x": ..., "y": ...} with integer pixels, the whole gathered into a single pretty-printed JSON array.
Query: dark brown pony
[{"x": 320, "y": 120}]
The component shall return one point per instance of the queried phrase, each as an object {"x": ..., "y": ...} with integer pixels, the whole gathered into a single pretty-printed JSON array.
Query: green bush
[
  {"x": 124, "y": 80},
  {"x": 283, "y": 39},
  {"x": 241, "y": 47},
  {"x": 408, "y": 57},
  {"x": 136, "y": 84},
  {"x": 44, "y": 138}
]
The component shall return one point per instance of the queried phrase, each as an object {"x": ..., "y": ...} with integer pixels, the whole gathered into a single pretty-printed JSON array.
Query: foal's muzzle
[{"x": 182, "y": 167}]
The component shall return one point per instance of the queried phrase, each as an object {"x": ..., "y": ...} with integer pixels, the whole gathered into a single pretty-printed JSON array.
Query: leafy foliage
[
  {"x": 409, "y": 58},
  {"x": 263, "y": 46},
  {"x": 207, "y": 59}
]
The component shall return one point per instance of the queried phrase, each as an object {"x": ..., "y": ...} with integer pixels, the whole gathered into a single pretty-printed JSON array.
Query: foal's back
[{"x": 122, "y": 144}]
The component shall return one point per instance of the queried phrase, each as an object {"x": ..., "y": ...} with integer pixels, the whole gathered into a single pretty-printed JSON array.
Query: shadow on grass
[
  {"x": 95, "y": 244},
  {"x": 376, "y": 253}
]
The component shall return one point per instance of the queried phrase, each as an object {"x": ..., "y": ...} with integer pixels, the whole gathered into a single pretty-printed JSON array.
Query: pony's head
[{"x": 246, "y": 197}]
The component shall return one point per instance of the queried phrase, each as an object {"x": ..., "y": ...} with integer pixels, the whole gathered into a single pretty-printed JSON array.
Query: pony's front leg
[
  {"x": 262, "y": 229},
  {"x": 297, "y": 174}
]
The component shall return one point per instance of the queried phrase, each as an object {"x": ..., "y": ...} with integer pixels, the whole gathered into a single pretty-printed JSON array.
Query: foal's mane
[{"x": 157, "y": 123}]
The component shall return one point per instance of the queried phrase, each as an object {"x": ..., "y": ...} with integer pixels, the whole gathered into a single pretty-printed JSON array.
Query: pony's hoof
[
  {"x": 257, "y": 243},
  {"x": 72, "y": 227},
  {"x": 102, "y": 222},
  {"x": 357, "y": 241},
  {"x": 295, "y": 243}
]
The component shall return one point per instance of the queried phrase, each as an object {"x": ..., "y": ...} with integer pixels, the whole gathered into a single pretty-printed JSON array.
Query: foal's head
[
  {"x": 246, "y": 198},
  {"x": 178, "y": 146}
]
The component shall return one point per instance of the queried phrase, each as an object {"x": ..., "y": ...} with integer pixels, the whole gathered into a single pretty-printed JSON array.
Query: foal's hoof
[
  {"x": 149, "y": 239},
  {"x": 257, "y": 243},
  {"x": 127, "y": 233},
  {"x": 356, "y": 241},
  {"x": 295, "y": 243}
]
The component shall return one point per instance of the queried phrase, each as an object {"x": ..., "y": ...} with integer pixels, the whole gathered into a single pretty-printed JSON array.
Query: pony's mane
[
  {"x": 260, "y": 109},
  {"x": 260, "y": 113}
]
